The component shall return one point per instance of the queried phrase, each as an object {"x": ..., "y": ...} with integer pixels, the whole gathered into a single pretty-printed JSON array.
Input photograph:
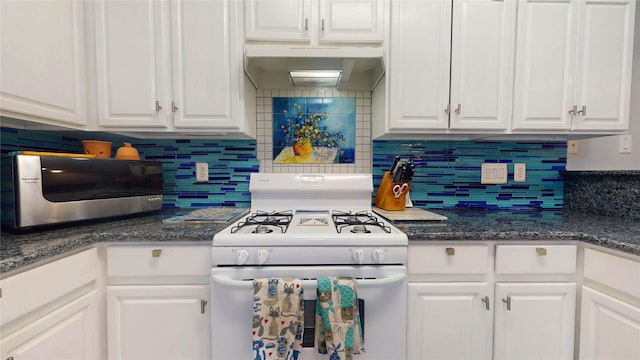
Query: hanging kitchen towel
[
  {"x": 338, "y": 326},
  {"x": 278, "y": 318}
]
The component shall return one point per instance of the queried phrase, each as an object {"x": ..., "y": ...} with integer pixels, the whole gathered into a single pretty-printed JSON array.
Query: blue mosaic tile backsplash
[
  {"x": 230, "y": 163},
  {"x": 448, "y": 172}
]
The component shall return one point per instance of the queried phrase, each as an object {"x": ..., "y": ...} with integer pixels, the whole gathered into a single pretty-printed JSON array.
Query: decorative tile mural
[
  {"x": 448, "y": 172},
  {"x": 356, "y": 154},
  {"x": 313, "y": 130}
]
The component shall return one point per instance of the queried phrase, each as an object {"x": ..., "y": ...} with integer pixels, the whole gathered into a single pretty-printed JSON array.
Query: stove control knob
[
  {"x": 378, "y": 255},
  {"x": 263, "y": 256},
  {"x": 242, "y": 256},
  {"x": 358, "y": 256}
]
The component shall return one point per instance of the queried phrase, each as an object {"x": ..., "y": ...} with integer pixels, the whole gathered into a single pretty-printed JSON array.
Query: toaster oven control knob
[
  {"x": 263, "y": 256},
  {"x": 242, "y": 256},
  {"x": 358, "y": 255},
  {"x": 378, "y": 255}
]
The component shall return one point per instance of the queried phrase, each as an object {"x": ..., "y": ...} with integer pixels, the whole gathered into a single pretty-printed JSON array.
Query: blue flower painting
[{"x": 314, "y": 130}]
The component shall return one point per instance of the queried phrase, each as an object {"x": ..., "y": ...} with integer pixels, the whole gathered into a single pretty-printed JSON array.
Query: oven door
[{"x": 382, "y": 293}]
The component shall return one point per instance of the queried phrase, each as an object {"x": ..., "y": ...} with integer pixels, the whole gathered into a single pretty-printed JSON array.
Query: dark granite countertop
[{"x": 18, "y": 250}]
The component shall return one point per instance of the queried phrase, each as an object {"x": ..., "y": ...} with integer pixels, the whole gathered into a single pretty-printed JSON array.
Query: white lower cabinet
[
  {"x": 158, "y": 322},
  {"x": 610, "y": 312},
  {"x": 157, "y": 302},
  {"x": 461, "y": 308},
  {"x": 534, "y": 320},
  {"x": 448, "y": 321},
  {"x": 69, "y": 332}
]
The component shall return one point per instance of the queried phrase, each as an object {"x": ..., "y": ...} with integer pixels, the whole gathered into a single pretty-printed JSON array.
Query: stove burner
[
  {"x": 359, "y": 229},
  {"x": 358, "y": 221},
  {"x": 266, "y": 221},
  {"x": 262, "y": 229}
]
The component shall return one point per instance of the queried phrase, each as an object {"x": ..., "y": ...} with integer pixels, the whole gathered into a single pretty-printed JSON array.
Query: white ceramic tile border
[{"x": 264, "y": 132}]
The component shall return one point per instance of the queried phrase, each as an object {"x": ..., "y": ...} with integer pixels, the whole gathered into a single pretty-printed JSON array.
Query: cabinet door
[
  {"x": 360, "y": 21},
  {"x": 42, "y": 61},
  {"x": 603, "y": 77},
  {"x": 203, "y": 68},
  {"x": 70, "y": 332},
  {"x": 449, "y": 321},
  {"x": 545, "y": 64},
  {"x": 158, "y": 322},
  {"x": 419, "y": 64},
  {"x": 130, "y": 54},
  {"x": 278, "y": 20},
  {"x": 534, "y": 320},
  {"x": 609, "y": 328},
  {"x": 482, "y": 63}
]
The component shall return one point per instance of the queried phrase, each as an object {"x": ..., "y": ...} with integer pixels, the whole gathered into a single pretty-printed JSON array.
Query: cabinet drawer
[
  {"x": 32, "y": 289},
  {"x": 536, "y": 259},
  {"x": 455, "y": 259},
  {"x": 158, "y": 260},
  {"x": 619, "y": 273}
]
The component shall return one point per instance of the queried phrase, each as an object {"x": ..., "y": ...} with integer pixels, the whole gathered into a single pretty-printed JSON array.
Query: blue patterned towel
[
  {"x": 338, "y": 326},
  {"x": 278, "y": 318}
]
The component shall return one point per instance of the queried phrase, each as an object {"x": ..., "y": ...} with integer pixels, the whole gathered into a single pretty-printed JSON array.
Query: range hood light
[{"x": 315, "y": 78}]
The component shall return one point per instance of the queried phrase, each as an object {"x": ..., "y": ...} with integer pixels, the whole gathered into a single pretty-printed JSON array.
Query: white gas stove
[
  {"x": 304, "y": 219},
  {"x": 306, "y": 227}
]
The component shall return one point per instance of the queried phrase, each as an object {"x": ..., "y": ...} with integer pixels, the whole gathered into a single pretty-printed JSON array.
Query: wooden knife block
[{"x": 385, "y": 198}]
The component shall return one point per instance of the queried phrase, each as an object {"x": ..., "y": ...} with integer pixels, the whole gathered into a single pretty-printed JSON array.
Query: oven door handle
[{"x": 362, "y": 283}]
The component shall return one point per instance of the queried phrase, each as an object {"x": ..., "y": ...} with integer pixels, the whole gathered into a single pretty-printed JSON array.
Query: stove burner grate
[
  {"x": 264, "y": 222},
  {"x": 359, "y": 221}
]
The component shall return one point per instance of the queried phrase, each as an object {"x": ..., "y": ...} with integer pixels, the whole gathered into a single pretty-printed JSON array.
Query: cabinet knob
[
  {"x": 574, "y": 110},
  {"x": 507, "y": 301},
  {"x": 156, "y": 253},
  {"x": 174, "y": 108},
  {"x": 583, "y": 111},
  {"x": 485, "y": 300},
  {"x": 322, "y": 24},
  {"x": 450, "y": 251},
  {"x": 158, "y": 107},
  {"x": 203, "y": 303},
  {"x": 306, "y": 23},
  {"x": 458, "y": 109},
  {"x": 447, "y": 110},
  {"x": 541, "y": 251}
]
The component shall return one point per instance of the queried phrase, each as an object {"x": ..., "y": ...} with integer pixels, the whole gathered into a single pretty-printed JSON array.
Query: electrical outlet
[
  {"x": 519, "y": 172},
  {"x": 202, "y": 172},
  {"x": 625, "y": 144},
  {"x": 494, "y": 173},
  {"x": 572, "y": 147}
]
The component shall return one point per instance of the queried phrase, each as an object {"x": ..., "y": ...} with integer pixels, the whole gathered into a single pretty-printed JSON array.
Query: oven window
[{"x": 310, "y": 321}]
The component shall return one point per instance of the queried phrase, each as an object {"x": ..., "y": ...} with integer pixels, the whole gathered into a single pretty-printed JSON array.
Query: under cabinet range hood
[{"x": 347, "y": 68}]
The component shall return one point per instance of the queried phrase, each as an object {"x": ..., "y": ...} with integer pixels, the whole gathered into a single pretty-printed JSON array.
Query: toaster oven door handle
[{"x": 362, "y": 283}]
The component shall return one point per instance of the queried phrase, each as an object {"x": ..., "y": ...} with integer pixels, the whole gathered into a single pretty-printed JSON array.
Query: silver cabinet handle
[
  {"x": 485, "y": 300},
  {"x": 156, "y": 253},
  {"x": 306, "y": 23},
  {"x": 158, "y": 107},
  {"x": 174, "y": 108},
  {"x": 322, "y": 24},
  {"x": 203, "y": 303},
  {"x": 447, "y": 110},
  {"x": 458, "y": 109},
  {"x": 574, "y": 110},
  {"x": 541, "y": 251},
  {"x": 583, "y": 111},
  {"x": 450, "y": 251},
  {"x": 507, "y": 301}
]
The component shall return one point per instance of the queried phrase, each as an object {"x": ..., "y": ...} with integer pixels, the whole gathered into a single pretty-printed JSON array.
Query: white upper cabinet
[
  {"x": 450, "y": 66},
  {"x": 130, "y": 59},
  {"x": 573, "y": 65},
  {"x": 170, "y": 66},
  {"x": 42, "y": 62},
  {"x": 315, "y": 21}
]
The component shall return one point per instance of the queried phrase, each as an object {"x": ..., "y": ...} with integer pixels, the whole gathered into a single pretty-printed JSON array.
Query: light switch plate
[
  {"x": 572, "y": 146},
  {"x": 519, "y": 172},
  {"x": 625, "y": 144},
  {"x": 202, "y": 172},
  {"x": 494, "y": 173}
]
